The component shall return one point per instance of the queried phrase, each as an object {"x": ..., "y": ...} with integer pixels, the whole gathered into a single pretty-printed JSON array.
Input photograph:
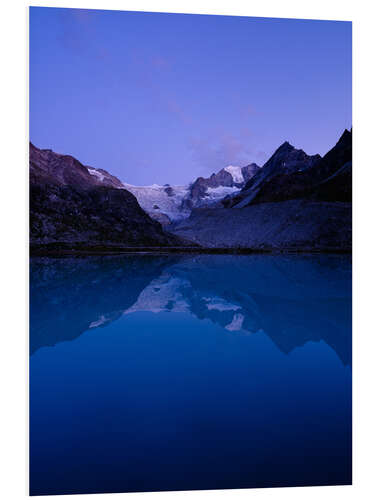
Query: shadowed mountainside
[{"x": 325, "y": 179}]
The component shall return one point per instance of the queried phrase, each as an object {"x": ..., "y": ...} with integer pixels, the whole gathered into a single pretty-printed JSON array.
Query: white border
[{"x": 14, "y": 40}]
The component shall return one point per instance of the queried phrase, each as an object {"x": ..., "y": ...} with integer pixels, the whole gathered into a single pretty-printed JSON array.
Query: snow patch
[
  {"x": 221, "y": 191},
  {"x": 236, "y": 173},
  {"x": 95, "y": 173}
]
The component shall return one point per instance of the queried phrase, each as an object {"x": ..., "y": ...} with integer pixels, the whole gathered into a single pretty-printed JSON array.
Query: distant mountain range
[
  {"x": 295, "y": 201},
  {"x": 172, "y": 203}
]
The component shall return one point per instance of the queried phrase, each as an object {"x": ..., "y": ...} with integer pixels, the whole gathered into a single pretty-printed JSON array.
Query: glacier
[{"x": 174, "y": 203}]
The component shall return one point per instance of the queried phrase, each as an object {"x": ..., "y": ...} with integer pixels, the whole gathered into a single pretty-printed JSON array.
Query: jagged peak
[
  {"x": 285, "y": 146},
  {"x": 346, "y": 135},
  {"x": 344, "y": 141}
]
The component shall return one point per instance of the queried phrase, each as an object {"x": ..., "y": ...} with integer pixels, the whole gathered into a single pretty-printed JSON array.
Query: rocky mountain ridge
[
  {"x": 227, "y": 181},
  {"x": 71, "y": 206},
  {"x": 325, "y": 179},
  {"x": 285, "y": 161},
  {"x": 295, "y": 202},
  {"x": 48, "y": 167}
]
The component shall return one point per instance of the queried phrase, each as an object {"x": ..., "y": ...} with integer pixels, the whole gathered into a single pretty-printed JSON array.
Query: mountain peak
[
  {"x": 235, "y": 172},
  {"x": 346, "y": 137},
  {"x": 285, "y": 147}
]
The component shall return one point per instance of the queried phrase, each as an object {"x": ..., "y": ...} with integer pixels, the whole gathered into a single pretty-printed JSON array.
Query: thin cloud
[
  {"x": 215, "y": 153},
  {"x": 151, "y": 81},
  {"x": 177, "y": 110},
  {"x": 249, "y": 110},
  {"x": 160, "y": 62},
  {"x": 221, "y": 148},
  {"x": 79, "y": 33}
]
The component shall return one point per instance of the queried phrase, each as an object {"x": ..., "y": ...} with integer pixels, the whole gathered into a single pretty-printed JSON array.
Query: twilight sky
[{"x": 164, "y": 98}]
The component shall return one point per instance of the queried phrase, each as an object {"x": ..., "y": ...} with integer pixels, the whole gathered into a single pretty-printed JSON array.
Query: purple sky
[{"x": 164, "y": 98}]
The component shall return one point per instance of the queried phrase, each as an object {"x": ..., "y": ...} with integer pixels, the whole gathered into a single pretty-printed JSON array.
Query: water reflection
[
  {"x": 293, "y": 299},
  {"x": 156, "y": 373}
]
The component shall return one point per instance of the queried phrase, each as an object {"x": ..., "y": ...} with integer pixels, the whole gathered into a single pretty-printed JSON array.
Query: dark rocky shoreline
[{"x": 82, "y": 251}]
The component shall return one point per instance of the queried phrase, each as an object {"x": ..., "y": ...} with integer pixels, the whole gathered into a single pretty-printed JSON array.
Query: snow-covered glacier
[
  {"x": 167, "y": 200},
  {"x": 169, "y": 203}
]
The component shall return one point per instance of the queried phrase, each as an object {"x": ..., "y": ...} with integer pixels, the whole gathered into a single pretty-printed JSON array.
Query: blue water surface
[{"x": 189, "y": 372}]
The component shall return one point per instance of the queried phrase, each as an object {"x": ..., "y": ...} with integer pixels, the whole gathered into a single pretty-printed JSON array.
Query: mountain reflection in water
[
  {"x": 293, "y": 299},
  {"x": 194, "y": 372}
]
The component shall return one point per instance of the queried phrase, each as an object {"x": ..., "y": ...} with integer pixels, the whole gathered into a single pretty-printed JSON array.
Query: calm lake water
[{"x": 189, "y": 372}]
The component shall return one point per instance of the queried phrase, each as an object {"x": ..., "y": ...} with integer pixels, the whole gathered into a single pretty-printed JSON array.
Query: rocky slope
[
  {"x": 72, "y": 206},
  {"x": 48, "y": 167},
  {"x": 290, "y": 225}
]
